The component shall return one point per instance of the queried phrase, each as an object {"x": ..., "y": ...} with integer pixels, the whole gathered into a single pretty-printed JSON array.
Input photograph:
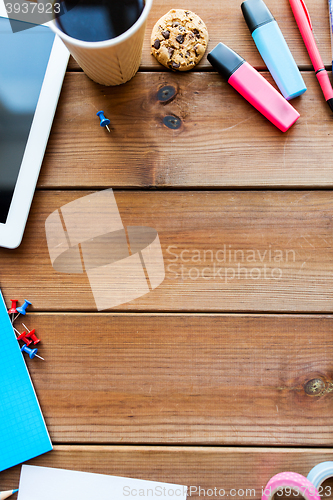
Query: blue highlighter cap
[{"x": 273, "y": 48}]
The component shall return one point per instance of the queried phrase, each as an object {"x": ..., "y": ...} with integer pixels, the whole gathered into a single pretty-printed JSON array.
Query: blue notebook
[{"x": 24, "y": 434}]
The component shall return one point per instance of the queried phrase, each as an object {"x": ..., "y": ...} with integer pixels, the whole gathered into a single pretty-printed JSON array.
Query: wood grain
[
  {"x": 208, "y": 468},
  {"x": 191, "y": 379},
  {"x": 185, "y": 379},
  {"x": 222, "y": 140},
  {"x": 226, "y": 24},
  {"x": 280, "y": 259}
]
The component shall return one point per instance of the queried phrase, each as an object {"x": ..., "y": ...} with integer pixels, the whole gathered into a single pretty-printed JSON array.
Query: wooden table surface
[{"x": 212, "y": 379}]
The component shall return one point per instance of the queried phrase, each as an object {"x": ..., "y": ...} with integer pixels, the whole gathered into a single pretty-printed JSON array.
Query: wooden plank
[
  {"x": 226, "y": 24},
  {"x": 185, "y": 379},
  {"x": 222, "y": 140},
  {"x": 223, "y": 251},
  {"x": 73, "y": 65},
  {"x": 229, "y": 469}
]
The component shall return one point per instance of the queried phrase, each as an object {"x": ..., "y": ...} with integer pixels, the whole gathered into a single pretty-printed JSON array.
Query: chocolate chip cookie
[{"x": 179, "y": 39}]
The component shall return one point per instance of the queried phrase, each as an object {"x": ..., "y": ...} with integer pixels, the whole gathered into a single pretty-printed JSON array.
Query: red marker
[{"x": 303, "y": 21}]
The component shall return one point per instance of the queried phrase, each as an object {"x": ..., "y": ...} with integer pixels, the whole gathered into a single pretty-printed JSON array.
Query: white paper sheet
[{"x": 42, "y": 483}]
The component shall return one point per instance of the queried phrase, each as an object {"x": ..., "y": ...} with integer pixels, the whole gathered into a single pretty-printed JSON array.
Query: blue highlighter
[{"x": 273, "y": 48}]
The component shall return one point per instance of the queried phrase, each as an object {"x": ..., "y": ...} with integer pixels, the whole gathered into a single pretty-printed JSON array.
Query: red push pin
[
  {"x": 31, "y": 335},
  {"x": 22, "y": 309},
  {"x": 23, "y": 337},
  {"x": 13, "y": 309}
]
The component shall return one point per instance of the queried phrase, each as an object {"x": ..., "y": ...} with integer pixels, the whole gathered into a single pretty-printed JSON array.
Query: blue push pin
[
  {"x": 22, "y": 309},
  {"x": 32, "y": 352},
  {"x": 104, "y": 121}
]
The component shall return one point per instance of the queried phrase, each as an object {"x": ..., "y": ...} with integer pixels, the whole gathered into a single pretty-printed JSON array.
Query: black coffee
[{"x": 98, "y": 20}]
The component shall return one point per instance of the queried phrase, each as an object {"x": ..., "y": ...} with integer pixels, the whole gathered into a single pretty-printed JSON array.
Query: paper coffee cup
[{"x": 110, "y": 62}]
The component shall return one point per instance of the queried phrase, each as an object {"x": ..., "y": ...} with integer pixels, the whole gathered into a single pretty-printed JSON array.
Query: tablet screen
[{"x": 24, "y": 57}]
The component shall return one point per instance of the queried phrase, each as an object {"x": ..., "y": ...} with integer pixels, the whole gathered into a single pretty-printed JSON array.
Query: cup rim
[{"x": 105, "y": 43}]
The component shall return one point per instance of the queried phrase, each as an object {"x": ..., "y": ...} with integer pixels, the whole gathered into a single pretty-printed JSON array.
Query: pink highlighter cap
[{"x": 253, "y": 87}]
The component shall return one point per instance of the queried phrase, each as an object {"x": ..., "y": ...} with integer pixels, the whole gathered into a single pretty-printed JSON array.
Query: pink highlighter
[{"x": 253, "y": 87}]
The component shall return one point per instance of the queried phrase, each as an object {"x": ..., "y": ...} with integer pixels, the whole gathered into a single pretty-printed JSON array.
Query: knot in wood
[
  {"x": 315, "y": 387},
  {"x": 172, "y": 122},
  {"x": 166, "y": 93}
]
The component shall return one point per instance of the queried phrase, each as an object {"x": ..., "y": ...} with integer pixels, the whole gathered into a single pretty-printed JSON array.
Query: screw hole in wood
[
  {"x": 172, "y": 122},
  {"x": 166, "y": 93}
]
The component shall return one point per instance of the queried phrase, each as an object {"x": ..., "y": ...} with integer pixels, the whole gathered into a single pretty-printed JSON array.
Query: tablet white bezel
[{"x": 11, "y": 233}]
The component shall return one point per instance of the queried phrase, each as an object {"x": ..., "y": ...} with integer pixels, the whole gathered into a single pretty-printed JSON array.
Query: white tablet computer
[{"x": 33, "y": 63}]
